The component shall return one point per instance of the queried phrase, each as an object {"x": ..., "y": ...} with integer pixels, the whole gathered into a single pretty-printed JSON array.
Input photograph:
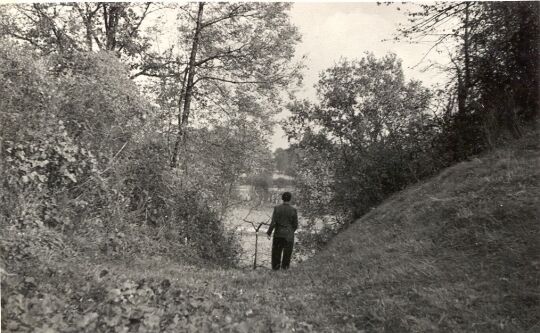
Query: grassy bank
[{"x": 456, "y": 253}]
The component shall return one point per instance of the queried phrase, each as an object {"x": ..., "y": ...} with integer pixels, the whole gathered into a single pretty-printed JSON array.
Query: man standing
[{"x": 285, "y": 223}]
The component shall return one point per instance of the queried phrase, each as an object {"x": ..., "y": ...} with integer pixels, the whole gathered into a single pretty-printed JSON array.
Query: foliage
[
  {"x": 39, "y": 156},
  {"x": 455, "y": 253},
  {"x": 100, "y": 105},
  {"x": 65, "y": 28},
  {"x": 285, "y": 161},
  {"x": 184, "y": 205},
  {"x": 241, "y": 41},
  {"x": 364, "y": 140},
  {"x": 234, "y": 145},
  {"x": 376, "y": 131},
  {"x": 93, "y": 152},
  {"x": 494, "y": 67},
  {"x": 228, "y": 51},
  {"x": 79, "y": 145}
]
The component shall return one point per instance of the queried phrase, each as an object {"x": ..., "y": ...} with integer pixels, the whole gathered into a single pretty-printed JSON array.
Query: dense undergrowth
[
  {"x": 82, "y": 154},
  {"x": 456, "y": 253}
]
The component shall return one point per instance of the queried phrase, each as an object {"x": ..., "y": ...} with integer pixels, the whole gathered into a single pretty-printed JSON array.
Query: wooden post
[{"x": 256, "y": 245}]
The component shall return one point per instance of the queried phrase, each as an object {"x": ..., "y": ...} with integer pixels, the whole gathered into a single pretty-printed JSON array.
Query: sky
[{"x": 331, "y": 31}]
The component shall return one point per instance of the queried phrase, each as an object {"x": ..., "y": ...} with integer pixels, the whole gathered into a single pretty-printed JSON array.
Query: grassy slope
[{"x": 459, "y": 252}]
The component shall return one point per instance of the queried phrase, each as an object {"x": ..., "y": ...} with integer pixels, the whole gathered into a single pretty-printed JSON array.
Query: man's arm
[{"x": 272, "y": 224}]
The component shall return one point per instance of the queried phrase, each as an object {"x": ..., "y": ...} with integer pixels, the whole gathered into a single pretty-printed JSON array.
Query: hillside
[
  {"x": 456, "y": 253},
  {"x": 459, "y": 252}
]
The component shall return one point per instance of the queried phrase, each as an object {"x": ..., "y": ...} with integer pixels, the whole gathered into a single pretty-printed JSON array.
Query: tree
[
  {"x": 506, "y": 64},
  {"x": 355, "y": 146},
  {"x": 85, "y": 27},
  {"x": 494, "y": 66},
  {"x": 232, "y": 44},
  {"x": 222, "y": 154},
  {"x": 218, "y": 49},
  {"x": 285, "y": 161}
]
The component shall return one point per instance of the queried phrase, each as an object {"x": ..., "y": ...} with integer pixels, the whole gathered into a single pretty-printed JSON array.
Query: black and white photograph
[{"x": 263, "y": 166}]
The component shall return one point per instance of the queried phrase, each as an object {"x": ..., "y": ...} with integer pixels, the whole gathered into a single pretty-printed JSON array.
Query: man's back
[{"x": 285, "y": 221}]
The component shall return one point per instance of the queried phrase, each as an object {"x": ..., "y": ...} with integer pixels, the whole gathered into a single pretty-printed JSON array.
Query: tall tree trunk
[
  {"x": 187, "y": 90},
  {"x": 464, "y": 82},
  {"x": 111, "y": 13},
  {"x": 466, "y": 50}
]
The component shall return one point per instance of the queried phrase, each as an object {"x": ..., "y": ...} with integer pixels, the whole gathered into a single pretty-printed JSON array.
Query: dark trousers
[{"x": 281, "y": 246}]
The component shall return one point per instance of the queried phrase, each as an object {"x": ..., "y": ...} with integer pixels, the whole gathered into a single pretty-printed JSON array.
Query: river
[{"x": 244, "y": 220}]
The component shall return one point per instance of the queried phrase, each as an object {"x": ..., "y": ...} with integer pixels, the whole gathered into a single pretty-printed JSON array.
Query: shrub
[{"x": 78, "y": 155}]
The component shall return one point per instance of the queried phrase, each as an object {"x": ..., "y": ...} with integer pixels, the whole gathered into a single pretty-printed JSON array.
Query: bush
[
  {"x": 81, "y": 153},
  {"x": 164, "y": 199}
]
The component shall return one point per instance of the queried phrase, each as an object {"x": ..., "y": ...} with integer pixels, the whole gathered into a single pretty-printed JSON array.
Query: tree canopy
[{"x": 357, "y": 138}]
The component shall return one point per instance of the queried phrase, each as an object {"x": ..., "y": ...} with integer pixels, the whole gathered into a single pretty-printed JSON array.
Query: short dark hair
[{"x": 286, "y": 196}]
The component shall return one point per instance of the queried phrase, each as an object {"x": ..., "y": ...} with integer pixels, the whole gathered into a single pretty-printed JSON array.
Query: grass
[{"x": 456, "y": 253}]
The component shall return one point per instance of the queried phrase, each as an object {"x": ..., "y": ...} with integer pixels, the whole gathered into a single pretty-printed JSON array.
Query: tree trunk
[
  {"x": 111, "y": 13},
  {"x": 87, "y": 16},
  {"x": 187, "y": 90},
  {"x": 88, "y": 26},
  {"x": 466, "y": 84}
]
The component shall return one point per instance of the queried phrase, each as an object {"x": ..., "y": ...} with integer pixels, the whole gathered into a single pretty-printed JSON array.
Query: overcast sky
[{"x": 334, "y": 30}]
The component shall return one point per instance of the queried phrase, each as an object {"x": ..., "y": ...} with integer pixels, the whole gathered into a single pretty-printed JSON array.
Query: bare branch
[
  {"x": 220, "y": 55},
  {"x": 26, "y": 39},
  {"x": 237, "y": 81},
  {"x": 430, "y": 49}
]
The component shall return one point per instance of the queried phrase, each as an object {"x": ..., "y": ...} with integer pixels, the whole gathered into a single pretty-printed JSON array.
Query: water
[{"x": 244, "y": 220}]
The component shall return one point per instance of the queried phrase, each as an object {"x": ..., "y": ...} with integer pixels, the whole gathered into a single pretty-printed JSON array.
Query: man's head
[{"x": 286, "y": 197}]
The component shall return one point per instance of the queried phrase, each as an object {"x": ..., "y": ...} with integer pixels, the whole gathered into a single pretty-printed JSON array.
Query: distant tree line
[
  {"x": 285, "y": 161},
  {"x": 372, "y": 132}
]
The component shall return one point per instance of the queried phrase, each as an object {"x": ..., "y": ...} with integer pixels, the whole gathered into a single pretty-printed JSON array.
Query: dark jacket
[{"x": 285, "y": 221}]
